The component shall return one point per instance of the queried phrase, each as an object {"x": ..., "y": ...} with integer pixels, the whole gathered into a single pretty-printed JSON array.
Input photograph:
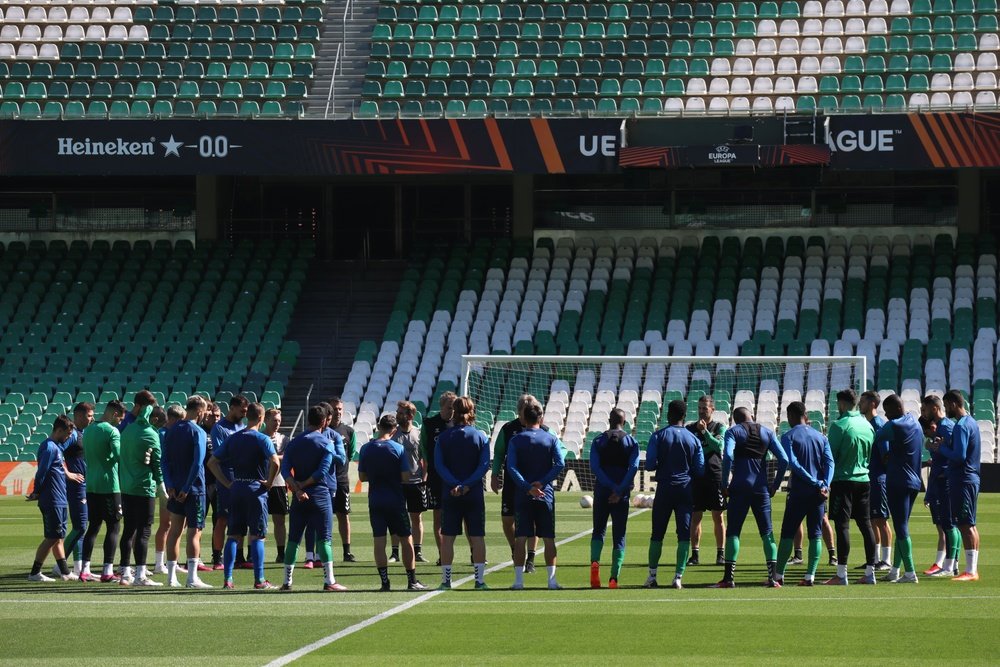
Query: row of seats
[
  {"x": 121, "y": 109},
  {"x": 901, "y": 26},
  {"x": 154, "y": 53},
  {"x": 515, "y": 11},
  {"x": 481, "y": 108},
  {"x": 940, "y": 49},
  {"x": 259, "y": 70},
  {"x": 148, "y": 90}
]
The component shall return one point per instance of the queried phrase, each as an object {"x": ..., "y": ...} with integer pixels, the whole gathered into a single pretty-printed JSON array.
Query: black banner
[{"x": 309, "y": 148}]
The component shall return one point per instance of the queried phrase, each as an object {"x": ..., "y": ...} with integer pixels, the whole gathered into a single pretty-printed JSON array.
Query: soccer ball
[
  {"x": 587, "y": 501},
  {"x": 647, "y": 501},
  {"x": 637, "y": 500}
]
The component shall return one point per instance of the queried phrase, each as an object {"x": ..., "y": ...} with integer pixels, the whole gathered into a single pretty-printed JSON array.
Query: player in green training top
[
  {"x": 141, "y": 482},
  {"x": 101, "y": 450},
  {"x": 708, "y": 488}
]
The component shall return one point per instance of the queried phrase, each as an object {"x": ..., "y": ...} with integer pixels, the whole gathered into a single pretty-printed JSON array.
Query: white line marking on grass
[{"x": 350, "y": 630}]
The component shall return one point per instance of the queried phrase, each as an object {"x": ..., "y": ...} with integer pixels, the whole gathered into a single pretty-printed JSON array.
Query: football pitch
[{"x": 105, "y": 624}]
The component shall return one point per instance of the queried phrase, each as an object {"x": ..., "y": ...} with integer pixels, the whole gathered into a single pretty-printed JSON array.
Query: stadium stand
[
  {"x": 103, "y": 322},
  {"x": 923, "y": 311},
  {"x": 608, "y": 56},
  {"x": 147, "y": 59}
]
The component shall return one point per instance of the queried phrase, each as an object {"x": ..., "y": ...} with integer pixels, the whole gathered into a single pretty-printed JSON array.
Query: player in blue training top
[
  {"x": 614, "y": 460},
  {"x": 223, "y": 428},
  {"x": 384, "y": 465},
  {"x": 937, "y": 498},
  {"x": 336, "y": 477},
  {"x": 811, "y": 461},
  {"x": 306, "y": 468},
  {"x": 50, "y": 492},
  {"x": 251, "y": 456},
  {"x": 183, "y": 463},
  {"x": 868, "y": 404},
  {"x": 76, "y": 483},
  {"x": 461, "y": 459},
  {"x": 905, "y": 440},
  {"x": 964, "y": 464},
  {"x": 745, "y": 457},
  {"x": 535, "y": 457},
  {"x": 677, "y": 458}
]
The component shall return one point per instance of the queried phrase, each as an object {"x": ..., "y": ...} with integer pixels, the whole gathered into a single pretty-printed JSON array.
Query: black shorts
[
  {"x": 342, "y": 501},
  {"x": 507, "y": 495},
  {"x": 432, "y": 493},
  {"x": 104, "y": 507},
  {"x": 277, "y": 501},
  {"x": 850, "y": 500},
  {"x": 708, "y": 495},
  {"x": 416, "y": 497}
]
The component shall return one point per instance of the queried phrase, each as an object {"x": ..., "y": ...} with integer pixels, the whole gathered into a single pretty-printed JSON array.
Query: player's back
[
  {"x": 303, "y": 457},
  {"x": 461, "y": 449},
  {"x": 905, "y": 447},
  {"x": 181, "y": 451},
  {"x": 247, "y": 453},
  {"x": 970, "y": 467},
  {"x": 383, "y": 461},
  {"x": 50, "y": 464},
  {"x": 749, "y": 464},
  {"x": 223, "y": 429},
  {"x": 809, "y": 448},
  {"x": 613, "y": 450},
  {"x": 99, "y": 449},
  {"x": 939, "y": 462},
  {"x": 533, "y": 450},
  {"x": 677, "y": 453}
]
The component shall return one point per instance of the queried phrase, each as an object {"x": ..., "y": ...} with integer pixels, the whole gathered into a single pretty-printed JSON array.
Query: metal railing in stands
[{"x": 331, "y": 96}]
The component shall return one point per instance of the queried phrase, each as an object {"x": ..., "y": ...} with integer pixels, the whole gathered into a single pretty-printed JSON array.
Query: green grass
[{"x": 102, "y": 624}]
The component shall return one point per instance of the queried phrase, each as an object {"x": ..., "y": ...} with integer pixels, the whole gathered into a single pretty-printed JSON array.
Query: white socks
[
  {"x": 480, "y": 569},
  {"x": 77, "y": 567},
  {"x": 141, "y": 573},
  {"x": 893, "y": 573},
  {"x": 192, "y": 570},
  {"x": 870, "y": 571},
  {"x": 886, "y": 554},
  {"x": 972, "y": 561},
  {"x": 809, "y": 577},
  {"x": 842, "y": 571},
  {"x": 949, "y": 565},
  {"x": 519, "y": 575},
  {"x": 328, "y": 577},
  {"x": 552, "y": 574},
  {"x": 126, "y": 573},
  {"x": 939, "y": 559},
  {"x": 288, "y": 574},
  {"x": 171, "y": 572},
  {"x": 158, "y": 561},
  {"x": 86, "y": 567}
]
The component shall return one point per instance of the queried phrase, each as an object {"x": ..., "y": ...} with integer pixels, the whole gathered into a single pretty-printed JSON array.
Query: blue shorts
[
  {"x": 315, "y": 514},
  {"x": 247, "y": 510},
  {"x": 223, "y": 502},
  {"x": 468, "y": 510},
  {"x": 676, "y": 500},
  {"x": 810, "y": 507},
  {"x": 535, "y": 518},
  {"x": 939, "y": 501},
  {"x": 389, "y": 519},
  {"x": 964, "y": 498},
  {"x": 192, "y": 509},
  {"x": 877, "y": 498},
  {"x": 54, "y": 522}
]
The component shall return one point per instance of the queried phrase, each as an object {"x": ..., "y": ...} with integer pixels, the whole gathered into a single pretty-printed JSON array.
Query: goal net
[{"x": 579, "y": 392}]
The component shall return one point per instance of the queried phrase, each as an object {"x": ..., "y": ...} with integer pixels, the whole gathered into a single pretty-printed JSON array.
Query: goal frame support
[{"x": 469, "y": 359}]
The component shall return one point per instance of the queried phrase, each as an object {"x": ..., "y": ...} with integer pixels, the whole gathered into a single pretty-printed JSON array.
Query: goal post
[{"x": 578, "y": 392}]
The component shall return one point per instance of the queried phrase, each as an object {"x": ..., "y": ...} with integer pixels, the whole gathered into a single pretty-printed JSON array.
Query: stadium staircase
[
  {"x": 922, "y": 309},
  {"x": 354, "y": 38},
  {"x": 342, "y": 304},
  {"x": 102, "y": 322}
]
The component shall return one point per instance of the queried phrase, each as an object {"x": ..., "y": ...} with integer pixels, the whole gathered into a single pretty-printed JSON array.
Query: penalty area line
[{"x": 398, "y": 609}]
